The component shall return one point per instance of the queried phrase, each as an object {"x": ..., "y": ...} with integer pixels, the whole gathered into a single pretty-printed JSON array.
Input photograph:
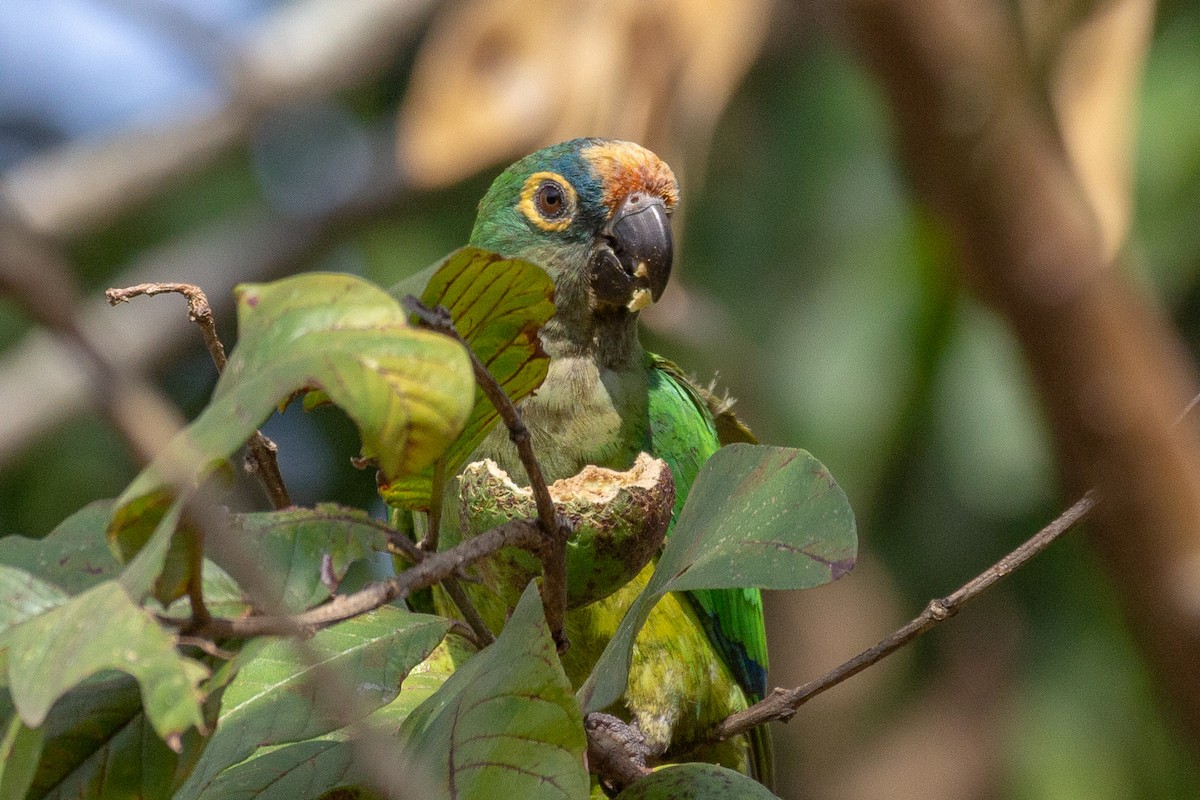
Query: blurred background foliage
[{"x": 807, "y": 277}]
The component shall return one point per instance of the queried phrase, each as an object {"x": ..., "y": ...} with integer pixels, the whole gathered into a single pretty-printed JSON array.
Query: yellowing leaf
[
  {"x": 409, "y": 391},
  {"x": 498, "y": 306}
]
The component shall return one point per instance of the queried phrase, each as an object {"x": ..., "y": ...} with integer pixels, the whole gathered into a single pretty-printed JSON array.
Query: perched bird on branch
[{"x": 596, "y": 215}]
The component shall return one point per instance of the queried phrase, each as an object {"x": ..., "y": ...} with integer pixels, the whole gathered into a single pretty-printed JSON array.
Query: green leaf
[
  {"x": 293, "y": 772},
  {"x": 98, "y": 740},
  {"x": 505, "y": 724},
  {"x": 409, "y": 391},
  {"x": 100, "y": 744},
  {"x": 73, "y": 557},
  {"x": 696, "y": 782},
  {"x": 498, "y": 306},
  {"x": 23, "y": 596},
  {"x": 292, "y": 545},
  {"x": 770, "y": 517},
  {"x": 19, "y": 752},
  {"x": 309, "y": 768},
  {"x": 98, "y": 630},
  {"x": 273, "y": 697}
]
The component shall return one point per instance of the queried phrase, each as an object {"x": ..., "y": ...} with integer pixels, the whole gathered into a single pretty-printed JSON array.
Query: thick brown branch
[
  {"x": 781, "y": 704},
  {"x": 434, "y": 568},
  {"x": 554, "y": 561},
  {"x": 1109, "y": 372}
]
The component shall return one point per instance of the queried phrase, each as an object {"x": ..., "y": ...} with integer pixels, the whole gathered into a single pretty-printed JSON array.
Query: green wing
[{"x": 686, "y": 424}]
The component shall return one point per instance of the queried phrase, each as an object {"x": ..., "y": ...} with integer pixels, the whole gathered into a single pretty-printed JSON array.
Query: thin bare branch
[
  {"x": 205, "y": 645},
  {"x": 261, "y": 453},
  {"x": 782, "y": 704},
  {"x": 199, "y": 311},
  {"x": 434, "y": 568},
  {"x": 554, "y": 561}
]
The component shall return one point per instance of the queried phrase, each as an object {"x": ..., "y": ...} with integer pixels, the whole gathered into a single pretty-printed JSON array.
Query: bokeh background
[{"x": 220, "y": 141}]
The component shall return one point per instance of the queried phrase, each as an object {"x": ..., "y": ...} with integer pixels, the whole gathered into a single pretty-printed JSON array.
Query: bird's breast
[{"x": 582, "y": 414}]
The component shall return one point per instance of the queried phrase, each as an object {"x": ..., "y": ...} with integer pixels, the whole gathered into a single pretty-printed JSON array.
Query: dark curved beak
[{"x": 632, "y": 269}]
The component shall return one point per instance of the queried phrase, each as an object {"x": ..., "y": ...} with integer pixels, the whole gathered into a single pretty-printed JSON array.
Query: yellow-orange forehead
[{"x": 624, "y": 168}]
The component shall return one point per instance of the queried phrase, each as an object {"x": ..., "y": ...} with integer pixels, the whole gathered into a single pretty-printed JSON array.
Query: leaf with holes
[
  {"x": 73, "y": 556},
  {"x": 409, "y": 391},
  {"x": 771, "y": 517},
  {"x": 505, "y": 724},
  {"x": 101, "y": 629},
  {"x": 273, "y": 699},
  {"x": 498, "y": 306}
]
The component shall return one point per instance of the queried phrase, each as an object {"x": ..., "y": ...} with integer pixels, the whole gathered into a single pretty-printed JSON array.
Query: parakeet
[{"x": 596, "y": 215}]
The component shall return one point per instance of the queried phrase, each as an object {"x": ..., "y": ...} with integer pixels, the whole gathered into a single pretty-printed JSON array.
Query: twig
[
  {"x": 261, "y": 452},
  {"x": 262, "y": 461},
  {"x": 206, "y": 646},
  {"x": 782, "y": 704},
  {"x": 195, "y": 578},
  {"x": 199, "y": 311},
  {"x": 554, "y": 561},
  {"x": 483, "y": 634},
  {"x": 434, "y": 568}
]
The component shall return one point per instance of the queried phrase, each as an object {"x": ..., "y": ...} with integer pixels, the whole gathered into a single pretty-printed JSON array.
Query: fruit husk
[{"x": 619, "y": 520}]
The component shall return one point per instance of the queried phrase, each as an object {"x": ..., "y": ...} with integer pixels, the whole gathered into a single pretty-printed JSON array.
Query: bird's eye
[
  {"x": 551, "y": 200},
  {"x": 548, "y": 201}
]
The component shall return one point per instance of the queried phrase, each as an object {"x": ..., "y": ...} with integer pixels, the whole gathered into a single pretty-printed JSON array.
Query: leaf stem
[
  {"x": 429, "y": 542},
  {"x": 483, "y": 634}
]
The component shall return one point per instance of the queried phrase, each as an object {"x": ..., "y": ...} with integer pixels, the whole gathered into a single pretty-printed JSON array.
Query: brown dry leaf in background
[
  {"x": 1091, "y": 56},
  {"x": 496, "y": 79}
]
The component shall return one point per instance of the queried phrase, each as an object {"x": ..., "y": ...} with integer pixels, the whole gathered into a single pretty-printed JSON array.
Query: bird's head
[{"x": 596, "y": 215}]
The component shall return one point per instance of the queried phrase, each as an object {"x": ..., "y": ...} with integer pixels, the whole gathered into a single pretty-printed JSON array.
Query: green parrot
[{"x": 596, "y": 215}]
